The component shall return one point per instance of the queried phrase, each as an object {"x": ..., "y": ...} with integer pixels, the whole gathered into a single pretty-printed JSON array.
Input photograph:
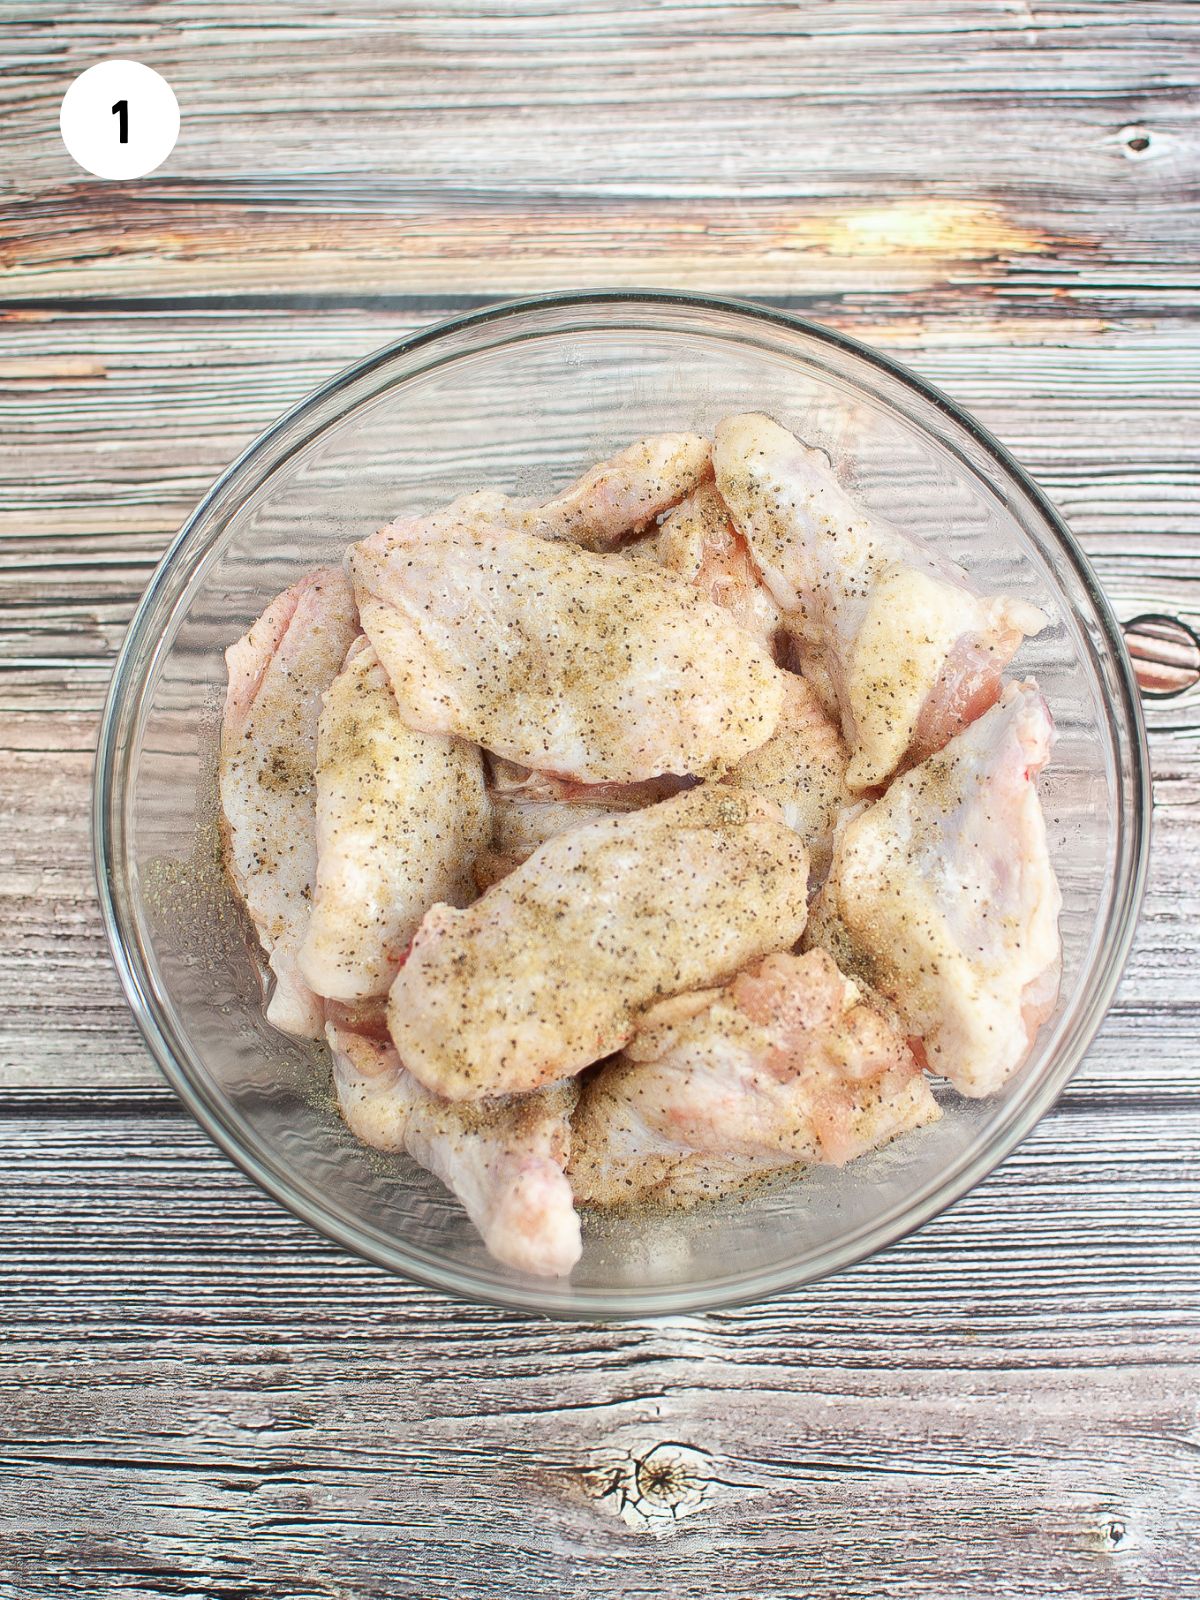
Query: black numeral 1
[{"x": 121, "y": 112}]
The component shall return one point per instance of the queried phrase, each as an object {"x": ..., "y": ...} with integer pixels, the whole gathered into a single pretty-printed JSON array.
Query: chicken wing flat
[
  {"x": 504, "y": 1159},
  {"x": 942, "y": 898},
  {"x": 561, "y": 660},
  {"x": 277, "y": 674},
  {"x": 785, "y": 1065},
  {"x": 609, "y": 504},
  {"x": 621, "y": 496},
  {"x": 401, "y": 817},
  {"x": 552, "y": 967},
  {"x": 912, "y": 652}
]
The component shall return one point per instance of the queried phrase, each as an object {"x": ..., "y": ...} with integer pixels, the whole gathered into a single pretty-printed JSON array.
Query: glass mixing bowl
[{"x": 525, "y": 396}]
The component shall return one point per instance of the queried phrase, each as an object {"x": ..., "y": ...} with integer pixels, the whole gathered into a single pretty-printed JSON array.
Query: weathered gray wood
[
  {"x": 277, "y": 1416},
  {"x": 197, "y": 1396},
  {"x": 758, "y": 148}
]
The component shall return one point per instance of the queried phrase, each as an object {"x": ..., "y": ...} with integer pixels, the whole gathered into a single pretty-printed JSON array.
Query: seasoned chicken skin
[
  {"x": 698, "y": 543},
  {"x": 401, "y": 817},
  {"x": 504, "y": 1159},
  {"x": 611, "y": 502},
  {"x": 783, "y": 1065},
  {"x": 942, "y": 898},
  {"x": 277, "y": 674},
  {"x": 561, "y": 660},
  {"x": 552, "y": 967},
  {"x": 912, "y": 652},
  {"x": 802, "y": 770}
]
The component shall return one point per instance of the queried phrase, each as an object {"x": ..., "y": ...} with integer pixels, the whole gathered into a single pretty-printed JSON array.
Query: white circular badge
[{"x": 119, "y": 119}]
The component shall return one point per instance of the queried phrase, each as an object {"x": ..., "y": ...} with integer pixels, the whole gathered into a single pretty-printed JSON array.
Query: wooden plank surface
[{"x": 196, "y": 1395}]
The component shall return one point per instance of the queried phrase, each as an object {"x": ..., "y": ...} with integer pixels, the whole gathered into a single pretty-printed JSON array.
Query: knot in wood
[
  {"x": 654, "y": 1487},
  {"x": 1136, "y": 142},
  {"x": 1165, "y": 653}
]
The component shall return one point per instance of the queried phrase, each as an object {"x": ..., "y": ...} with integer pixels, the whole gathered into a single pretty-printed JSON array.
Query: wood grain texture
[
  {"x": 757, "y": 147},
  {"x": 925, "y": 1421},
  {"x": 198, "y": 1396}
]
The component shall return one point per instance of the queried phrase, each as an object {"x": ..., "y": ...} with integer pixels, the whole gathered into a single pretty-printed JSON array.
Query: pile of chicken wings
[{"x": 632, "y": 845}]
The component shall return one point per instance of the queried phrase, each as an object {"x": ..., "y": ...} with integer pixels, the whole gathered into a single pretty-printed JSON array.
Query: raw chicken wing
[
  {"x": 783, "y": 1065},
  {"x": 802, "y": 770},
  {"x": 622, "y": 496},
  {"x": 504, "y": 1159},
  {"x": 561, "y": 660},
  {"x": 942, "y": 898},
  {"x": 912, "y": 652},
  {"x": 277, "y": 674},
  {"x": 611, "y": 502},
  {"x": 552, "y": 967},
  {"x": 401, "y": 816}
]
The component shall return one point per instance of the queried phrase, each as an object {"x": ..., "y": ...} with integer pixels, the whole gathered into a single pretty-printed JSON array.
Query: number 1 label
[{"x": 119, "y": 119}]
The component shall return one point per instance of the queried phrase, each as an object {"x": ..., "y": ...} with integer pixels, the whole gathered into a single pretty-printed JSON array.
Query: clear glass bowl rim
[{"x": 133, "y": 672}]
